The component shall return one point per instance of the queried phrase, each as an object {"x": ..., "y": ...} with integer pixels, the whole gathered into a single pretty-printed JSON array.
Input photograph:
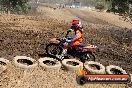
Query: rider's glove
[
  {"x": 69, "y": 30},
  {"x": 68, "y": 40}
]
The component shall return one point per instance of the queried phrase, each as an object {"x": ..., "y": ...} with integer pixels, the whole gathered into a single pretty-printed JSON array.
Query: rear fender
[{"x": 88, "y": 48}]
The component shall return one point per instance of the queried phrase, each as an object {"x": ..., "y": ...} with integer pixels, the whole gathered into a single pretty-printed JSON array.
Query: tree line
[
  {"x": 14, "y": 5},
  {"x": 120, "y": 6},
  {"x": 116, "y": 6}
]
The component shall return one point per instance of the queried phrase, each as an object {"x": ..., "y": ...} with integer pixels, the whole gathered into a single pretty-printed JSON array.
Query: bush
[
  {"x": 114, "y": 10},
  {"x": 108, "y": 11},
  {"x": 119, "y": 6},
  {"x": 100, "y": 6}
]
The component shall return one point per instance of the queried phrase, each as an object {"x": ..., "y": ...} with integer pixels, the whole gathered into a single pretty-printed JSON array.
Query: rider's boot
[
  {"x": 64, "y": 52},
  {"x": 63, "y": 55}
]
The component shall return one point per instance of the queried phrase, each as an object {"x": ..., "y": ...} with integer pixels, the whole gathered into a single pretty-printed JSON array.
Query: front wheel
[{"x": 53, "y": 49}]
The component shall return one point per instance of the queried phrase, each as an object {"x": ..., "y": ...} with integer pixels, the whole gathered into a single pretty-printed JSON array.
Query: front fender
[{"x": 54, "y": 40}]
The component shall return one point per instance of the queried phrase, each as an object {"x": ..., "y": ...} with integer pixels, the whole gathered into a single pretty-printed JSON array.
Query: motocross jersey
[{"x": 77, "y": 37}]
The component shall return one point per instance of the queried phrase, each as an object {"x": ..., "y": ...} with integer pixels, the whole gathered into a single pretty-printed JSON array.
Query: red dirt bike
[{"x": 83, "y": 52}]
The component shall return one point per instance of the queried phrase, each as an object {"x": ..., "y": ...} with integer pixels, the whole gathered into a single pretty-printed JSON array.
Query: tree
[
  {"x": 100, "y": 6},
  {"x": 119, "y": 6},
  {"x": 15, "y": 5}
]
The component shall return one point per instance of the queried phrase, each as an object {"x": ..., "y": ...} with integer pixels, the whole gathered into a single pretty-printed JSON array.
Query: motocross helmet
[{"x": 75, "y": 24}]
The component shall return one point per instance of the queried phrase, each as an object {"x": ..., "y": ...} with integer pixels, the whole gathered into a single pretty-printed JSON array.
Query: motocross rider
[{"x": 76, "y": 40}]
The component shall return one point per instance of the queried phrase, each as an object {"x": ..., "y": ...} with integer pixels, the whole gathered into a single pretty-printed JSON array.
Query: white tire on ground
[
  {"x": 99, "y": 70},
  {"x": 42, "y": 63},
  {"x": 131, "y": 78},
  {"x": 3, "y": 64},
  {"x": 25, "y": 65},
  {"x": 110, "y": 67},
  {"x": 70, "y": 67}
]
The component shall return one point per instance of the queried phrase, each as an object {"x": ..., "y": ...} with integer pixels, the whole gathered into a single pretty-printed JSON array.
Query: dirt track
[
  {"x": 102, "y": 18},
  {"x": 23, "y": 35}
]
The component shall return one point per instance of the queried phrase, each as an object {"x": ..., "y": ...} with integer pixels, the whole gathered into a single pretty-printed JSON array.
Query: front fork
[{"x": 82, "y": 57}]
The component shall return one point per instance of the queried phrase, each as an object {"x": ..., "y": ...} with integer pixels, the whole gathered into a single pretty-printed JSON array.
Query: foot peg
[{"x": 60, "y": 57}]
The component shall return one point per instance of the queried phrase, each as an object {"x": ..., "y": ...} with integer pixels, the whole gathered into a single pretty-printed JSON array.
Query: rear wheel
[{"x": 53, "y": 49}]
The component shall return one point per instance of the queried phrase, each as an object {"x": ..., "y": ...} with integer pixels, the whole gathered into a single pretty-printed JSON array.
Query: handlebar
[{"x": 63, "y": 39}]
